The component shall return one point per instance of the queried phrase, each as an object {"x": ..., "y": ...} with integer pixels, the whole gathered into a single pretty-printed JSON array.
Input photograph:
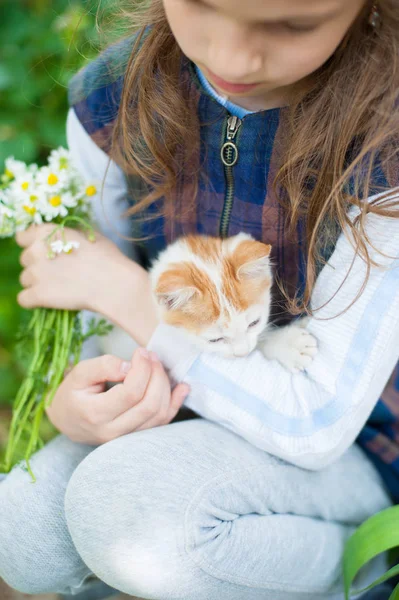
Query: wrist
[{"x": 128, "y": 302}]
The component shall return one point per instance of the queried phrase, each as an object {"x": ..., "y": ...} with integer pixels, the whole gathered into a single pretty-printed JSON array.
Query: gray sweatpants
[{"x": 187, "y": 511}]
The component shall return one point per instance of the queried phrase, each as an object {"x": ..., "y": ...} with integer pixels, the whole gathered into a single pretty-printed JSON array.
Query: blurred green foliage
[{"x": 43, "y": 43}]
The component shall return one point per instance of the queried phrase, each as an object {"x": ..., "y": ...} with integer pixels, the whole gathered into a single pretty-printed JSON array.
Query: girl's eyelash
[
  {"x": 253, "y": 323},
  {"x": 216, "y": 340}
]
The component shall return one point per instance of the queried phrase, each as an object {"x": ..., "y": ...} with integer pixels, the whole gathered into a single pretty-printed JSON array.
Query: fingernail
[
  {"x": 125, "y": 367},
  {"x": 144, "y": 353},
  {"x": 154, "y": 357}
]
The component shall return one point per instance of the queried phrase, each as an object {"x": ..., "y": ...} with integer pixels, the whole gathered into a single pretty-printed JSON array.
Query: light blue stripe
[
  {"x": 234, "y": 109},
  {"x": 336, "y": 407}
]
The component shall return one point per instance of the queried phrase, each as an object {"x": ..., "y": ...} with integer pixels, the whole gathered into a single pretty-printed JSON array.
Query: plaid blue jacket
[{"x": 232, "y": 198}]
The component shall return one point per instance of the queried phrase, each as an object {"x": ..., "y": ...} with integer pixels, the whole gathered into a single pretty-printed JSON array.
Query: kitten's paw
[
  {"x": 293, "y": 346},
  {"x": 301, "y": 351}
]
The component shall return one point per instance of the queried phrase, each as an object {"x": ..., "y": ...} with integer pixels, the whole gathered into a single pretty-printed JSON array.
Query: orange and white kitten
[{"x": 219, "y": 292}]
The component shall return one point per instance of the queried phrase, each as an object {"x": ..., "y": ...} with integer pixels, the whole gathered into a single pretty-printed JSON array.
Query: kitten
[{"x": 219, "y": 292}]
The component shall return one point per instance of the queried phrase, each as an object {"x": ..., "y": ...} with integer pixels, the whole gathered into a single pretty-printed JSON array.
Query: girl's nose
[{"x": 232, "y": 56}]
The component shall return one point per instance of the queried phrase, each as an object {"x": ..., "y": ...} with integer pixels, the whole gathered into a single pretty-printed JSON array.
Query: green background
[{"x": 43, "y": 43}]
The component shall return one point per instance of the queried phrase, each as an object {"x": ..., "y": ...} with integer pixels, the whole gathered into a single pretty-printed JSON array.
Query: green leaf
[
  {"x": 376, "y": 535},
  {"x": 395, "y": 594}
]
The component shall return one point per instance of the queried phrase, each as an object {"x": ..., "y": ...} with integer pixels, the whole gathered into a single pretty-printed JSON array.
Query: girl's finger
[
  {"x": 177, "y": 398},
  {"x": 33, "y": 233},
  {"x": 26, "y": 258},
  {"x": 26, "y": 278},
  {"x": 97, "y": 370},
  {"x": 153, "y": 404},
  {"x": 121, "y": 398},
  {"x": 23, "y": 238},
  {"x": 27, "y": 298}
]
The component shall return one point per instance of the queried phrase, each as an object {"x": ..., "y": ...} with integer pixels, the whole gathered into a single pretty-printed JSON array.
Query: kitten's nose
[{"x": 242, "y": 348}]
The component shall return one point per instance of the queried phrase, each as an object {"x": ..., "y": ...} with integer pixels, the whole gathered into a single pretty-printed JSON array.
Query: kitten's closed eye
[
  {"x": 254, "y": 323},
  {"x": 220, "y": 339}
]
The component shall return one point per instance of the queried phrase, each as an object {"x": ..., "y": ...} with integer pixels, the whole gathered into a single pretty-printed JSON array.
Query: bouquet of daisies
[{"x": 53, "y": 193}]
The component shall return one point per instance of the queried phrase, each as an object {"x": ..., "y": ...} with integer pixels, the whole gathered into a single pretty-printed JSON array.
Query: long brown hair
[{"x": 351, "y": 109}]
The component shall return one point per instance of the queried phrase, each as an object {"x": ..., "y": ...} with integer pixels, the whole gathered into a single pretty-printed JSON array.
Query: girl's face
[{"x": 255, "y": 50}]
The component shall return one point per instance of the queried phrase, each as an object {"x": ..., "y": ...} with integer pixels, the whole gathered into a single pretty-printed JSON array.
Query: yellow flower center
[
  {"x": 9, "y": 173},
  {"x": 33, "y": 198},
  {"x": 55, "y": 200},
  {"x": 25, "y": 185},
  {"x": 63, "y": 163},
  {"x": 52, "y": 179},
  {"x": 30, "y": 210},
  {"x": 91, "y": 190}
]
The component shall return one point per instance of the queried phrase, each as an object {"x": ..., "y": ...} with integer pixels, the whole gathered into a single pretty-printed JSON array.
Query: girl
[{"x": 275, "y": 117}]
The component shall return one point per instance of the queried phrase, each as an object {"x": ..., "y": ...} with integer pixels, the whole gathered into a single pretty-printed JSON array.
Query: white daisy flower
[
  {"x": 52, "y": 180},
  {"x": 15, "y": 168},
  {"x": 51, "y": 206},
  {"x": 50, "y": 193},
  {"x": 59, "y": 159},
  {"x": 69, "y": 246},
  {"x": 27, "y": 213},
  {"x": 59, "y": 246},
  {"x": 23, "y": 186},
  {"x": 25, "y": 200},
  {"x": 69, "y": 200}
]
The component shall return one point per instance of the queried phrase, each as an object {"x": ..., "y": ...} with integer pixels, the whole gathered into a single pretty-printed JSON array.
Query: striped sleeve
[{"x": 309, "y": 418}]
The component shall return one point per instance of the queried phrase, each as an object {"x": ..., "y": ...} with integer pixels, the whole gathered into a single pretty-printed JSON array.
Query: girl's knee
[
  {"x": 127, "y": 507},
  {"x": 126, "y": 519}
]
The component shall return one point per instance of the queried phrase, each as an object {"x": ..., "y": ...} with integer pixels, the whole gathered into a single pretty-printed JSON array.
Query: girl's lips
[{"x": 228, "y": 86}]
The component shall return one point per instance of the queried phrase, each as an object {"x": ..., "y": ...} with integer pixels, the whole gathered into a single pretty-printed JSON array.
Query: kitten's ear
[
  {"x": 176, "y": 299},
  {"x": 251, "y": 260},
  {"x": 173, "y": 290}
]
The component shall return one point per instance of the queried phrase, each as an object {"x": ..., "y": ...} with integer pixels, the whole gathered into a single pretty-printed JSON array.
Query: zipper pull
[
  {"x": 233, "y": 125},
  {"x": 229, "y": 151}
]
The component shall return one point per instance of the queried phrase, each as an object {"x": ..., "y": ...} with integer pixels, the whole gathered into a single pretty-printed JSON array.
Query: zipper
[{"x": 229, "y": 156}]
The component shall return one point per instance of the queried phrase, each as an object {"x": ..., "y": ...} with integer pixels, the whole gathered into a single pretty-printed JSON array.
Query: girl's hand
[
  {"x": 74, "y": 281},
  {"x": 86, "y": 413}
]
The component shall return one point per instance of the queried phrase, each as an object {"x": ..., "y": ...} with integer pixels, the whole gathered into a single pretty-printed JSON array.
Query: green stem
[
  {"x": 76, "y": 219},
  {"x": 34, "y": 438},
  {"x": 57, "y": 370},
  {"x": 57, "y": 337},
  {"x": 31, "y": 388},
  {"x": 51, "y": 374},
  {"x": 60, "y": 364},
  {"x": 25, "y": 389}
]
